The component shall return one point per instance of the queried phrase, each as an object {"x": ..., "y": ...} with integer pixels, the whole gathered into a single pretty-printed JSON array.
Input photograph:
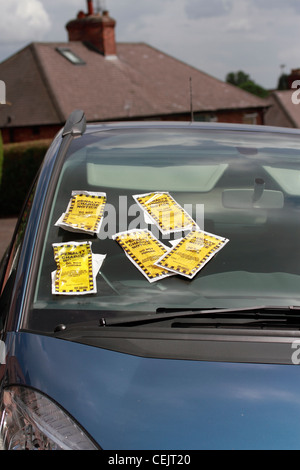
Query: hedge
[
  {"x": 1, "y": 156},
  {"x": 19, "y": 165}
]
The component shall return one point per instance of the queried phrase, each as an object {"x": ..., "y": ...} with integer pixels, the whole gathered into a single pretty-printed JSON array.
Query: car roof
[
  {"x": 94, "y": 127},
  {"x": 76, "y": 125}
]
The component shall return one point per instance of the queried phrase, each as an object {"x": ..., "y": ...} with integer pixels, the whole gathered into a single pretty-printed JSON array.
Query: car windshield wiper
[{"x": 170, "y": 314}]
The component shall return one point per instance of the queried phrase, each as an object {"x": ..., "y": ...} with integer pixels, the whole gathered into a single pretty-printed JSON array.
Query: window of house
[
  {"x": 199, "y": 117},
  {"x": 70, "y": 55},
  {"x": 250, "y": 118}
]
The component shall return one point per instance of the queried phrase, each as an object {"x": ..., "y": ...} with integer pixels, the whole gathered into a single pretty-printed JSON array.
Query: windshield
[{"x": 237, "y": 195}]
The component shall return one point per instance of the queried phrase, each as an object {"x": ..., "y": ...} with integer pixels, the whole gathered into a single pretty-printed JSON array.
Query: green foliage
[
  {"x": 243, "y": 81},
  {"x": 237, "y": 78},
  {"x": 255, "y": 89},
  {"x": 283, "y": 83},
  {"x": 20, "y": 165}
]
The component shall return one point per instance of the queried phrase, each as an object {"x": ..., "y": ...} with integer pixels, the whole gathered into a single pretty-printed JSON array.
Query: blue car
[{"x": 150, "y": 297}]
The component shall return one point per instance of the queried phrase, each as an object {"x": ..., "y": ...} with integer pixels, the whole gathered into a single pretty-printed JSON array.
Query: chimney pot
[{"x": 90, "y": 7}]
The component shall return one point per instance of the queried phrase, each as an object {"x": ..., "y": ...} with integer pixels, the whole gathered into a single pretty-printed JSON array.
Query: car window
[
  {"x": 238, "y": 187},
  {"x": 11, "y": 259}
]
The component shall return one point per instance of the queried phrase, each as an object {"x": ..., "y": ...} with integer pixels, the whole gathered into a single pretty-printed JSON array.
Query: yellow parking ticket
[
  {"x": 165, "y": 212},
  {"x": 191, "y": 253},
  {"x": 84, "y": 212},
  {"x": 143, "y": 250},
  {"x": 74, "y": 273}
]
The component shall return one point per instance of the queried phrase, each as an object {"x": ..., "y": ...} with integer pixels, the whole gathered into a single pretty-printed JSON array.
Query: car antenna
[{"x": 191, "y": 99}]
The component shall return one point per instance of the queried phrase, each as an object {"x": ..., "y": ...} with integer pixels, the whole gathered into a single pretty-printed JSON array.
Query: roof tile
[{"x": 141, "y": 81}]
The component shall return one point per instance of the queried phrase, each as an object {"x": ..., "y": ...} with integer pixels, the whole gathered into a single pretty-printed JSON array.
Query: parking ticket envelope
[
  {"x": 165, "y": 212},
  {"x": 143, "y": 250},
  {"x": 191, "y": 253},
  {"x": 77, "y": 268},
  {"x": 84, "y": 212}
]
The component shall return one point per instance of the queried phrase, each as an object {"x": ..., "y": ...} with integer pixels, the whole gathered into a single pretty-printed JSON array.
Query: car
[{"x": 150, "y": 297}]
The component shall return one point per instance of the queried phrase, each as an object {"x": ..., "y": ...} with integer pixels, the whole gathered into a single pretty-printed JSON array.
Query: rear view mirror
[{"x": 256, "y": 198}]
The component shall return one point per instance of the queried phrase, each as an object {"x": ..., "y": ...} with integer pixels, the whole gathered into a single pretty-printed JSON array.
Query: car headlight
[{"x": 31, "y": 421}]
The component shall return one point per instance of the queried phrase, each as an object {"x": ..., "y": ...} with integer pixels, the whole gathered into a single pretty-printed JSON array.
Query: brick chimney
[{"x": 94, "y": 29}]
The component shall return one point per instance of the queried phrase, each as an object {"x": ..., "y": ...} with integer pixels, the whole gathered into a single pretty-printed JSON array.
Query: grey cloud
[
  {"x": 204, "y": 8},
  {"x": 278, "y": 4}
]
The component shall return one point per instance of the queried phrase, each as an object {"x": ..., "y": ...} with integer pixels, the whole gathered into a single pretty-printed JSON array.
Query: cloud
[
  {"x": 207, "y": 9},
  {"x": 23, "y": 21},
  {"x": 270, "y": 5},
  {"x": 216, "y": 36},
  {"x": 239, "y": 25}
]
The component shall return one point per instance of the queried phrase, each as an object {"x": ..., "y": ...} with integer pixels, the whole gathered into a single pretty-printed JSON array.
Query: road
[{"x": 7, "y": 227}]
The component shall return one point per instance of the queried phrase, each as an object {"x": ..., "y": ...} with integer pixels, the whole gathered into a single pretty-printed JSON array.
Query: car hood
[{"x": 131, "y": 402}]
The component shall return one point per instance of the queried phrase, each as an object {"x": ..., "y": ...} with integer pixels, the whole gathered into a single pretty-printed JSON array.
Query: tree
[
  {"x": 244, "y": 81},
  {"x": 283, "y": 83},
  {"x": 237, "y": 78}
]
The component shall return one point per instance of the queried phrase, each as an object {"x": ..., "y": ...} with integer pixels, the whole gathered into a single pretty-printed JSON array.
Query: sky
[{"x": 259, "y": 37}]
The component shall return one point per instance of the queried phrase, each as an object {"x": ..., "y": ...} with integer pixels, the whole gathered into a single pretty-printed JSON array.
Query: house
[
  {"x": 283, "y": 112},
  {"x": 110, "y": 81},
  {"x": 284, "y": 109}
]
